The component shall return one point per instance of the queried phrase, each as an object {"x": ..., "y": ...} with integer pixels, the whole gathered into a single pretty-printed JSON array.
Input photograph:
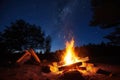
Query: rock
[{"x": 72, "y": 75}]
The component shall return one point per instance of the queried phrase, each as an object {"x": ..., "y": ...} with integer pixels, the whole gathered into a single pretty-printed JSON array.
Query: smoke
[
  {"x": 63, "y": 24},
  {"x": 65, "y": 9},
  {"x": 65, "y": 13}
]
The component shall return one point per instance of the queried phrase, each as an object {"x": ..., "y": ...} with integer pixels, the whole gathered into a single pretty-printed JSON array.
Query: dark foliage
[
  {"x": 114, "y": 37},
  {"x": 21, "y": 35},
  {"x": 106, "y": 14},
  {"x": 47, "y": 44},
  {"x": 103, "y": 53}
]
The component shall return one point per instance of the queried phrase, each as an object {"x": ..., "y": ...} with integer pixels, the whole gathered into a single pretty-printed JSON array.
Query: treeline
[
  {"x": 101, "y": 53},
  {"x": 98, "y": 53}
]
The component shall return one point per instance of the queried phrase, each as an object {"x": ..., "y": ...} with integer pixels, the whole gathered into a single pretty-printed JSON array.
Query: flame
[
  {"x": 54, "y": 67},
  {"x": 70, "y": 57}
]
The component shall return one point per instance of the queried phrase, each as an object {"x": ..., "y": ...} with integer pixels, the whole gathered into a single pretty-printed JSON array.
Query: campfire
[
  {"x": 70, "y": 61},
  {"x": 70, "y": 67}
]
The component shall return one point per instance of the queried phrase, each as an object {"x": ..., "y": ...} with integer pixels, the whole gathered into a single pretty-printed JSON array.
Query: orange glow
[
  {"x": 69, "y": 55},
  {"x": 54, "y": 67}
]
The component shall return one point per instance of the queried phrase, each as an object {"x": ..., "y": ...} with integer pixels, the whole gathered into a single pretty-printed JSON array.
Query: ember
[{"x": 70, "y": 61}]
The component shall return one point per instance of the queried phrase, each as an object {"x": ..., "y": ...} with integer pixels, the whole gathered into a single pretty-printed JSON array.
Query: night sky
[{"x": 61, "y": 19}]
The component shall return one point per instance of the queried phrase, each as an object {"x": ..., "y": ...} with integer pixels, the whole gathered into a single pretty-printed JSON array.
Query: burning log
[
  {"x": 71, "y": 66},
  {"x": 81, "y": 68}
]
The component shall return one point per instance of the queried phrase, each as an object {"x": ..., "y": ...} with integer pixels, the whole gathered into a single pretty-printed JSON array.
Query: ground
[{"x": 33, "y": 72}]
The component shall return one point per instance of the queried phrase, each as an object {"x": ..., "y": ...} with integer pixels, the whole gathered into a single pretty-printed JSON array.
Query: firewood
[
  {"x": 81, "y": 68},
  {"x": 71, "y": 66},
  {"x": 34, "y": 55},
  {"x": 24, "y": 58}
]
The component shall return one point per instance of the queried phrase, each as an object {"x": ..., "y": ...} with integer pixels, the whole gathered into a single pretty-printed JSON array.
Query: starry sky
[{"x": 61, "y": 19}]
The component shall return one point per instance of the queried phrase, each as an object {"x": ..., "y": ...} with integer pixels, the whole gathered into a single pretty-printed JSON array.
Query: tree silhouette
[
  {"x": 106, "y": 14},
  {"x": 47, "y": 44},
  {"x": 22, "y": 35},
  {"x": 114, "y": 37}
]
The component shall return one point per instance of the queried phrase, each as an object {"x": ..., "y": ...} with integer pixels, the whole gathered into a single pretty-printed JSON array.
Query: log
[
  {"x": 32, "y": 52},
  {"x": 71, "y": 66},
  {"x": 24, "y": 58},
  {"x": 28, "y": 54},
  {"x": 81, "y": 68}
]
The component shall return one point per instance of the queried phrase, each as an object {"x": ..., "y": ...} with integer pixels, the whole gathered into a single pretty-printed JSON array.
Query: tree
[
  {"x": 114, "y": 37},
  {"x": 22, "y": 35},
  {"x": 106, "y": 14},
  {"x": 47, "y": 44}
]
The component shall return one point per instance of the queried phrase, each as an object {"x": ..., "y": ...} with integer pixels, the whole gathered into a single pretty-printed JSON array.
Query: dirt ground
[{"x": 33, "y": 72}]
